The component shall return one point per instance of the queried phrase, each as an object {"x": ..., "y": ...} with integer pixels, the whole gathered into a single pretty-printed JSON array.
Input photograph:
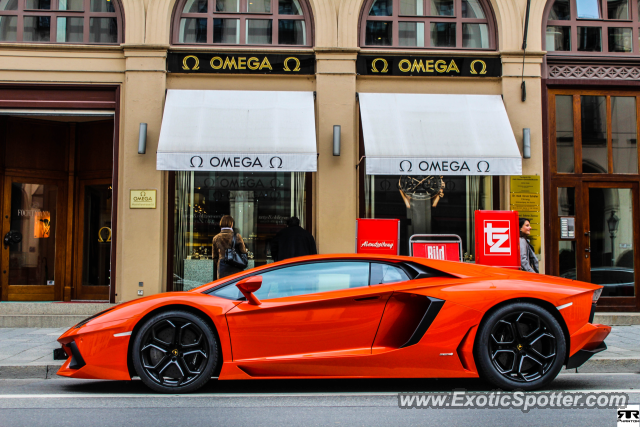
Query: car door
[{"x": 307, "y": 310}]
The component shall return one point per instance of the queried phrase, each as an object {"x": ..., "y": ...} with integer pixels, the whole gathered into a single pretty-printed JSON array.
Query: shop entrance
[
  {"x": 593, "y": 199},
  {"x": 596, "y": 232},
  {"x": 56, "y": 207}
]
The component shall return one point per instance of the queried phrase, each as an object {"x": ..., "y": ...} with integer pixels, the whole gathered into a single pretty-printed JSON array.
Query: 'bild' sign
[
  {"x": 378, "y": 236},
  {"x": 497, "y": 238},
  {"x": 443, "y": 251}
]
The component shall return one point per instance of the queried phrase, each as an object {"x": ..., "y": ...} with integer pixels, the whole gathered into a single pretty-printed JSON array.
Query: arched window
[
  {"x": 61, "y": 21},
  {"x": 592, "y": 27},
  {"x": 436, "y": 24},
  {"x": 242, "y": 22}
]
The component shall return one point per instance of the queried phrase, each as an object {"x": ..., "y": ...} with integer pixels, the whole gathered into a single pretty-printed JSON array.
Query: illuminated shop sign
[
  {"x": 239, "y": 63},
  {"x": 412, "y": 65}
]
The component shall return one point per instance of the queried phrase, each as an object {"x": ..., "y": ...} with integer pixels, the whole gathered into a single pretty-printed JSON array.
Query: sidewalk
[{"x": 28, "y": 352}]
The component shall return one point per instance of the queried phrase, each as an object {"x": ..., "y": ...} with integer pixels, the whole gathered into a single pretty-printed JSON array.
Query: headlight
[
  {"x": 90, "y": 318},
  {"x": 596, "y": 295}
]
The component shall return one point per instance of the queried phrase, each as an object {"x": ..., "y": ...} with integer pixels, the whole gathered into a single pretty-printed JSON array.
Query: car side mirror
[
  {"x": 12, "y": 237},
  {"x": 248, "y": 286}
]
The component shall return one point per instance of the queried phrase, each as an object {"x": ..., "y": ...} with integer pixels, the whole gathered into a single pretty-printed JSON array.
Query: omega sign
[
  {"x": 442, "y": 166},
  {"x": 429, "y": 66},
  {"x": 245, "y": 63},
  {"x": 236, "y": 162}
]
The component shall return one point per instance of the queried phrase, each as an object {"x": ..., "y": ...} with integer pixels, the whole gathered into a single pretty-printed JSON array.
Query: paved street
[{"x": 65, "y": 402}]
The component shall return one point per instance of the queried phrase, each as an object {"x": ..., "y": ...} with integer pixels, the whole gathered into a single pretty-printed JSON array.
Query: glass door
[
  {"x": 611, "y": 233},
  {"x": 93, "y": 240},
  {"x": 34, "y": 240},
  {"x": 596, "y": 231}
]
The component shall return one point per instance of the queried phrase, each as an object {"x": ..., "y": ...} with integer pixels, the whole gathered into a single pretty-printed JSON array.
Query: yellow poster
[
  {"x": 533, "y": 216},
  {"x": 520, "y": 200},
  {"x": 42, "y": 225},
  {"x": 525, "y": 184}
]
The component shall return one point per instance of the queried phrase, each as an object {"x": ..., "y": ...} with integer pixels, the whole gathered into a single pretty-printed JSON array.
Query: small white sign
[{"x": 50, "y": 282}]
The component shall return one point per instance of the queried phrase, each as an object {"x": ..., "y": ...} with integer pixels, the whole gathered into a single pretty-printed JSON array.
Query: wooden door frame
[
  {"x": 78, "y": 246},
  {"x": 61, "y": 231},
  {"x": 73, "y": 97},
  {"x": 581, "y": 181}
]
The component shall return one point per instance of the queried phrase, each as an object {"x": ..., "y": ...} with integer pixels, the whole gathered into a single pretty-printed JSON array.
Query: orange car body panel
[{"x": 351, "y": 333}]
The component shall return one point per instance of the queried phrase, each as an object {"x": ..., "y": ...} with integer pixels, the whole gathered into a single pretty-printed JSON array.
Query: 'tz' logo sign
[{"x": 496, "y": 238}]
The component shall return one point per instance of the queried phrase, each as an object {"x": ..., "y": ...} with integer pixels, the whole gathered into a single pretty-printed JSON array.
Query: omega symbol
[
  {"x": 410, "y": 166},
  {"x": 473, "y": 67},
  {"x": 384, "y": 68},
  {"x": 485, "y": 162},
  {"x": 286, "y": 61},
  {"x": 185, "y": 66},
  {"x": 271, "y": 163},
  {"x": 196, "y": 157}
]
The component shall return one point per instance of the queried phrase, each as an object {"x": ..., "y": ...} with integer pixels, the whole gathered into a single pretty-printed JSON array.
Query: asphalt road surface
[{"x": 66, "y": 402}]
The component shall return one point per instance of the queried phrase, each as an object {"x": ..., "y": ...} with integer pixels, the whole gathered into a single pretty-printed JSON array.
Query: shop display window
[
  {"x": 429, "y": 205},
  {"x": 260, "y": 204},
  {"x": 243, "y": 22},
  {"x": 61, "y": 21},
  {"x": 442, "y": 24}
]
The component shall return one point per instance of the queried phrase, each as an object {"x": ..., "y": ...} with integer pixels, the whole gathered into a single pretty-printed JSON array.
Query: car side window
[
  {"x": 386, "y": 273},
  {"x": 313, "y": 278},
  {"x": 306, "y": 279}
]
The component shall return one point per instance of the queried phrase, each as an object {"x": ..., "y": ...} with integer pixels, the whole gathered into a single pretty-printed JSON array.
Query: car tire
[
  {"x": 520, "y": 346},
  {"x": 175, "y": 352}
]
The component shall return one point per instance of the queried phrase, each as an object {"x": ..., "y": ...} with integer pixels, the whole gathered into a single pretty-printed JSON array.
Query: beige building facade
[{"x": 89, "y": 89}]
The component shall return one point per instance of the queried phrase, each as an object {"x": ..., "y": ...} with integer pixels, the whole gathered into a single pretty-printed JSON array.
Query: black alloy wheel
[
  {"x": 175, "y": 352},
  {"x": 520, "y": 346}
]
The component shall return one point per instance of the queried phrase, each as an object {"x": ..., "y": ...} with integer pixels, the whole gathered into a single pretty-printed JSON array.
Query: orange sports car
[{"x": 346, "y": 316}]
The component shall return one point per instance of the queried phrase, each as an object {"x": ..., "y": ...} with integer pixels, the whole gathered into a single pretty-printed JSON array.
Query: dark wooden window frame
[
  {"x": 53, "y": 13},
  {"x": 427, "y": 20},
  {"x": 574, "y": 22},
  {"x": 577, "y": 130},
  {"x": 274, "y": 16}
]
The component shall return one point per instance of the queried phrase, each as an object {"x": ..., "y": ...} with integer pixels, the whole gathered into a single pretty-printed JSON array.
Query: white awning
[
  {"x": 417, "y": 134},
  {"x": 225, "y": 130}
]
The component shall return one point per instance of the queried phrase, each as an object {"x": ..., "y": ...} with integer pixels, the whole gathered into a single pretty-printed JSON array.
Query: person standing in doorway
[
  {"x": 528, "y": 259},
  {"x": 223, "y": 241},
  {"x": 293, "y": 241}
]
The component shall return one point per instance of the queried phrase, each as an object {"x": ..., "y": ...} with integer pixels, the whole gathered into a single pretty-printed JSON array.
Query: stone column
[
  {"x": 336, "y": 184},
  {"x": 141, "y": 238}
]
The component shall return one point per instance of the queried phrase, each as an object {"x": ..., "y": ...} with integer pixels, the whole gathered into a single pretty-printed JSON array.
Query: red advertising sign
[
  {"x": 378, "y": 236},
  {"x": 444, "y": 247},
  {"x": 497, "y": 238}
]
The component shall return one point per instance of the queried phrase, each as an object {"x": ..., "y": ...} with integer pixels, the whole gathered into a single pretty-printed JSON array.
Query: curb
[
  {"x": 27, "y": 372},
  {"x": 596, "y": 366}
]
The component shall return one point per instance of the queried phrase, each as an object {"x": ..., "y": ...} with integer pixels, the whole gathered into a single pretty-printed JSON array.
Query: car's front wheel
[
  {"x": 175, "y": 352},
  {"x": 520, "y": 346}
]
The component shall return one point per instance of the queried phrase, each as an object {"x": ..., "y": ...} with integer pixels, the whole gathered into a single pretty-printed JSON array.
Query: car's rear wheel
[
  {"x": 520, "y": 346},
  {"x": 175, "y": 352}
]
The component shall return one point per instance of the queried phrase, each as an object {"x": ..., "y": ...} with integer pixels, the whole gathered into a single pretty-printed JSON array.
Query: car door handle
[{"x": 367, "y": 298}]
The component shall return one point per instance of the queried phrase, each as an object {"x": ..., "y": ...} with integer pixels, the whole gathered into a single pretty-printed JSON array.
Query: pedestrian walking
[
  {"x": 293, "y": 241},
  {"x": 528, "y": 259},
  {"x": 223, "y": 241}
]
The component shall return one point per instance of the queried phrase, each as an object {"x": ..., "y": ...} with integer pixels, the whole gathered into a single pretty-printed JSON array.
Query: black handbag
[{"x": 233, "y": 258}]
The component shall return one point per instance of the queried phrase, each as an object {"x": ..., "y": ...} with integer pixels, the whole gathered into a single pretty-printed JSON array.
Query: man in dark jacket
[{"x": 292, "y": 242}]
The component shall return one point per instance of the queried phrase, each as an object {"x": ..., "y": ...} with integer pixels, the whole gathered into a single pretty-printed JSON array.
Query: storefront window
[
  {"x": 260, "y": 204},
  {"x": 429, "y": 204}
]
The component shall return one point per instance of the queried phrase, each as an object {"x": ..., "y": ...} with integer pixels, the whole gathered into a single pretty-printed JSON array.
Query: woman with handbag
[{"x": 229, "y": 249}]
